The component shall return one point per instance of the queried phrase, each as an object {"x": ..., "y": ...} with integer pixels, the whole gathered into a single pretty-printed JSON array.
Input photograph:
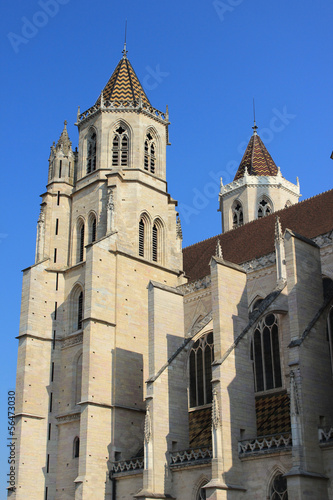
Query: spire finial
[
  {"x": 65, "y": 123},
  {"x": 255, "y": 128},
  {"x": 125, "y": 51}
]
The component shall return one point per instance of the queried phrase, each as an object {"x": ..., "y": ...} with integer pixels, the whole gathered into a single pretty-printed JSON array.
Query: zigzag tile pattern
[
  {"x": 257, "y": 159},
  {"x": 273, "y": 414},
  {"x": 123, "y": 86}
]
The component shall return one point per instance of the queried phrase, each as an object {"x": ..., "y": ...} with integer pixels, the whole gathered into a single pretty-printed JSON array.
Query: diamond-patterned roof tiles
[
  {"x": 124, "y": 85},
  {"x": 256, "y": 159}
]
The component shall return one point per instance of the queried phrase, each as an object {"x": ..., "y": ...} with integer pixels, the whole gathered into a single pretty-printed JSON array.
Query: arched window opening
[
  {"x": 330, "y": 335},
  {"x": 256, "y": 304},
  {"x": 92, "y": 228},
  {"x": 91, "y": 153},
  {"x": 80, "y": 311},
  {"x": 278, "y": 490},
  {"x": 150, "y": 158},
  {"x": 201, "y": 358},
  {"x": 266, "y": 355},
  {"x": 154, "y": 243},
  {"x": 81, "y": 243},
  {"x": 120, "y": 148},
  {"x": 237, "y": 215},
  {"x": 264, "y": 208},
  {"x": 287, "y": 204},
  {"x": 76, "y": 447},
  {"x": 141, "y": 238},
  {"x": 202, "y": 492}
]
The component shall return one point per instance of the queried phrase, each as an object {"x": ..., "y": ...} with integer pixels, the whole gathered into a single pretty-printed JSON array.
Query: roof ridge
[{"x": 263, "y": 218}]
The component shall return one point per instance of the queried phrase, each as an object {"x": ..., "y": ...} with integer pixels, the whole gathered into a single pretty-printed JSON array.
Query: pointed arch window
[
  {"x": 76, "y": 447},
  {"x": 278, "y": 489},
  {"x": 120, "y": 148},
  {"x": 237, "y": 215},
  {"x": 150, "y": 154},
  {"x": 265, "y": 354},
  {"x": 264, "y": 208},
  {"x": 155, "y": 232},
  {"x": 92, "y": 229},
  {"x": 201, "y": 358},
  {"x": 80, "y": 311},
  {"x": 91, "y": 152},
  {"x": 80, "y": 231},
  {"x": 141, "y": 238},
  {"x": 202, "y": 492}
]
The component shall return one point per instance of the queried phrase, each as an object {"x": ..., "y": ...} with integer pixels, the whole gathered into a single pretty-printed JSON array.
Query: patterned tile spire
[
  {"x": 256, "y": 158},
  {"x": 123, "y": 86}
]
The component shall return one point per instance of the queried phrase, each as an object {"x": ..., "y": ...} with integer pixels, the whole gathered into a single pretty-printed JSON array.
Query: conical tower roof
[
  {"x": 124, "y": 85},
  {"x": 256, "y": 159}
]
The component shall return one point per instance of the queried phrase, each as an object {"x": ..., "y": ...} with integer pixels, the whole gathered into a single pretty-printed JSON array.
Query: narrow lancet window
[
  {"x": 141, "y": 238},
  {"x": 91, "y": 153}
]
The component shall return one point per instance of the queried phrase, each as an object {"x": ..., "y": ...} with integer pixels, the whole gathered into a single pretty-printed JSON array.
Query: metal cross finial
[
  {"x": 255, "y": 128},
  {"x": 124, "y": 50}
]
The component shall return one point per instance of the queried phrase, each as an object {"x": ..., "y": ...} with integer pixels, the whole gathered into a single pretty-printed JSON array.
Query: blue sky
[{"x": 206, "y": 59}]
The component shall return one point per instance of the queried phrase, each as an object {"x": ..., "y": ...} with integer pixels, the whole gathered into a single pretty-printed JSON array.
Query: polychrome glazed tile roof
[
  {"x": 256, "y": 159},
  {"x": 124, "y": 85},
  {"x": 309, "y": 218}
]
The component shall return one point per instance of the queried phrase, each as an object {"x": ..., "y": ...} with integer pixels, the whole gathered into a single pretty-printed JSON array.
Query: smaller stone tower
[{"x": 258, "y": 188}]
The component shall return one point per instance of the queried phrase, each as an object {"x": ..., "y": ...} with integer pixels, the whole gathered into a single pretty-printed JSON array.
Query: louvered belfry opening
[{"x": 141, "y": 238}]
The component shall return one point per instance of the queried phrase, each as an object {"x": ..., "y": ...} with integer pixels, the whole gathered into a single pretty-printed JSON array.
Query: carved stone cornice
[
  {"x": 73, "y": 340},
  {"x": 69, "y": 417}
]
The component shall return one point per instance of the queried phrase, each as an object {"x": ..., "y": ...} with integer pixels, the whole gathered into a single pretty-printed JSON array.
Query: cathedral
[{"x": 149, "y": 371}]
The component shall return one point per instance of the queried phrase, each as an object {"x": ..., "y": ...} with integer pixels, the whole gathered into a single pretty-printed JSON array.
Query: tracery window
[
  {"x": 201, "y": 358},
  {"x": 91, "y": 152},
  {"x": 150, "y": 154},
  {"x": 265, "y": 354},
  {"x": 120, "y": 148},
  {"x": 264, "y": 208},
  {"x": 278, "y": 489},
  {"x": 76, "y": 447},
  {"x": 330, "y": 334},
  {"x": 237, "y": 215}
]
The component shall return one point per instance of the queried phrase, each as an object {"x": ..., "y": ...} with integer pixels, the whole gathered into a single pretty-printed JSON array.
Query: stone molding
[
  {"x": 73, "y": 340},
  {"x": 69, "y": 417}
]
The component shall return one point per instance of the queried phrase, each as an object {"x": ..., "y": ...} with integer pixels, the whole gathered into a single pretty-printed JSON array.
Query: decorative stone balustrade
[
  {"x": 265, "y": 444},
  {"x": 193, "y": 456},
  {"x": 325, "y": 435},
  {"x": 127, "y": 465},
  {"x": 123, "y": 105}
]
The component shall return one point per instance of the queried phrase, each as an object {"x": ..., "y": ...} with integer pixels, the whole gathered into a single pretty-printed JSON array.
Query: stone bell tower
[
  {"x": 107, "y": 228},
  {"x": 258, "y": 188}
]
